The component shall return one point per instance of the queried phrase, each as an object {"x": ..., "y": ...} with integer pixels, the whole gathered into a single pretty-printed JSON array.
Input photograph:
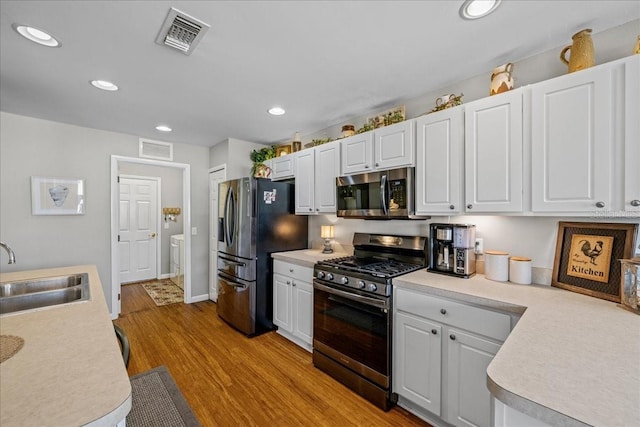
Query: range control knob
[
  {"x": 371, "y": 287},
  {"x": 329, "y": 276},
  {"x": 344, "y": 280},
  {"x": 361, "y": 284},
  {"x": 320, "y": 275}
]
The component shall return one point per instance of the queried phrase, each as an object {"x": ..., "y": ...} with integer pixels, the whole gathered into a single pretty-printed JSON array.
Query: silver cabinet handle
[
  {"x": 291, "y": 270},
  {"x": 599, "y": 204},
  {"x": 434, "y": 331},
  {"x": 635, "y": 203},
  {"x": 366, "y": 166},
  {"x": 452, "y": 207},
  {"x": 377, "y": 164},
  {"x": 453, "y": 337},
  {"x": 310, "y": 210},
  {"x": 293, "y": 283},
  {"x": 288, "y": 282},
  {"x": 469, "y": 206},
  {"x": 443, "y": 311}
]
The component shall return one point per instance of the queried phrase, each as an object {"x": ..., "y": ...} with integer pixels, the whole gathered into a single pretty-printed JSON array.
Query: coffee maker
[{"x": 452, "y": 249}]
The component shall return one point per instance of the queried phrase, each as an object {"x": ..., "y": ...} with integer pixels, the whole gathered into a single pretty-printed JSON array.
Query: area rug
[
  {"x": 164, "y": 292},
  {"x": 156, "y": 400}
]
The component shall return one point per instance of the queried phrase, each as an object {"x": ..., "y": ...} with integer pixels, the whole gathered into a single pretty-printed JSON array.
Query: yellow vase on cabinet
[{"x": 582, "y": 52}]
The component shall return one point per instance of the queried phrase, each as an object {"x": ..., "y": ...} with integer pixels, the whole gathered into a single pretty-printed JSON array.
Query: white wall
[
  {"x": 235, "y": 153},
  {"x": 30, "y": 147}
]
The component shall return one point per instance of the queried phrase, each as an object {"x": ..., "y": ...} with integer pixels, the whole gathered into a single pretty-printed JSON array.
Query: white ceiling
[{"x": 323, "y": 61}]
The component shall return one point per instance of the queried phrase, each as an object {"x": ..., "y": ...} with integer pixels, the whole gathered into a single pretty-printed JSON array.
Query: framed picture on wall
[
  {"x": 587, "y": 257},
  {"x": 57, "y": 196}
]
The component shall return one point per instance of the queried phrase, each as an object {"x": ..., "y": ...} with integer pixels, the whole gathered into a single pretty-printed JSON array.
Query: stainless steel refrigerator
[{"x": 255, "y": 219}]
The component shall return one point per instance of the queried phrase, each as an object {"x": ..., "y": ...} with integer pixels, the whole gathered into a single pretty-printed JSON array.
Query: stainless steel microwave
[{"x": 387, "y": 194}]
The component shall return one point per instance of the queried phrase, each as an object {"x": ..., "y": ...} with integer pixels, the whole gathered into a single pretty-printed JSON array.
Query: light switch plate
[{"x": 194, "y": 231}]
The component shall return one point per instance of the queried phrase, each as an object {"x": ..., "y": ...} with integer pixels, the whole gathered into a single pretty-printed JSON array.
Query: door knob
[
  {"x": 600, "y": 205},
  {"x": 152, "y": 235},
  {"x": 635, "y": 203}
]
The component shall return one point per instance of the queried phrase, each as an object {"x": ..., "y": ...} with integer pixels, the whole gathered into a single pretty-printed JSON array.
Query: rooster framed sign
[{"x": 587, "y": 257}]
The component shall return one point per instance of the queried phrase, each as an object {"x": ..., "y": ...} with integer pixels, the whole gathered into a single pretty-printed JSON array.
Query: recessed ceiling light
[
  {"x": 163, "y": 128},
  {"x": 104, "y": 85},
  {"x": 36, "y": 35},
  {"x": 276, "y": 111},
  {"x": 474, "y": 9}
]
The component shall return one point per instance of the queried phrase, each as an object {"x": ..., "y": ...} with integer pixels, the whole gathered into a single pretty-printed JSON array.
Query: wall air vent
[
  {"x": 155, "y": 149},
  {"x": 181, "y": 31}
]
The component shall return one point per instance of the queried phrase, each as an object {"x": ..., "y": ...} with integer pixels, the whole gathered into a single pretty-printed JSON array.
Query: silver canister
[{"x": 630, "y": 284}]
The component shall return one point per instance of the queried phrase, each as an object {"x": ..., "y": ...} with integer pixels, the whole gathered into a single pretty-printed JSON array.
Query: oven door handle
[{"x": 352, "y": 296}]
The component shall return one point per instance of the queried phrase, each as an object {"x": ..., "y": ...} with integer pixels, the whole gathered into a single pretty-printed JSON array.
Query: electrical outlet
[
  {"x": 166, "y": 225},
  {"x": 479, "y": 245}
]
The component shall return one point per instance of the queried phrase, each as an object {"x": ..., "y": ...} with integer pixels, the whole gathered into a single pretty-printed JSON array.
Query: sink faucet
[{"x": 12, "y": 256}]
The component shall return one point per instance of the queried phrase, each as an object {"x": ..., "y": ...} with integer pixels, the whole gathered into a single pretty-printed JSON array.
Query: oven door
[{"x": 354, "y": 330}]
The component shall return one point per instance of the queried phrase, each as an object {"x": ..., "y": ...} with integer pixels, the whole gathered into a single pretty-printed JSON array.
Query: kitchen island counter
[
  {"x": 570, "y": 360},
  {"x": 70, "y": 370}
]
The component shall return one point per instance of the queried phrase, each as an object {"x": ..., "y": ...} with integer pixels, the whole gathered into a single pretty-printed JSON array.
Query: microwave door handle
[{"x": 383, "y": 194}]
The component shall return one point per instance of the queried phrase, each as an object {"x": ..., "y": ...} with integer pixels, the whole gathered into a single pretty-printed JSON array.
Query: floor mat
[{"x": 164, "y": 292}]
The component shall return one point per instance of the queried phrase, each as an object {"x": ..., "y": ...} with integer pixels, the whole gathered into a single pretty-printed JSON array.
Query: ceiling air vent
[
  {"x": 155, "y": 149},
  {"x": 181, "y": 31}
]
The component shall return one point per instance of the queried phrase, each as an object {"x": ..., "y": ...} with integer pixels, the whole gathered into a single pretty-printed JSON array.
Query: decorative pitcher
[
  {"x": 501, "y": 80},
  {"x": 582, "y": 52},
  {"x": 636, "y": 48}
]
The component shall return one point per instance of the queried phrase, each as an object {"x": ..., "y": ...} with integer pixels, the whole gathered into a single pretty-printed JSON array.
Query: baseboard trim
[
  {"x": 198, "y": 298},
  {"x": 164, "y": 276}
]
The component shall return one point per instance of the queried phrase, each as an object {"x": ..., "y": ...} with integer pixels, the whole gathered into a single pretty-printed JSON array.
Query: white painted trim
[
  {"x": 158, "y": 181},
  {"x": 186, "y": 203},
  {"x": 213, "y": 268},
  {"x": 164, "y": 276},
  {"x": 203, "y": 297}
]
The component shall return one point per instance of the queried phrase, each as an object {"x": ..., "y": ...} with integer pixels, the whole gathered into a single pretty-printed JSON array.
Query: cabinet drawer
[
  {"x": 478, "y": 320},
  {"x": 294, "y": 271}
]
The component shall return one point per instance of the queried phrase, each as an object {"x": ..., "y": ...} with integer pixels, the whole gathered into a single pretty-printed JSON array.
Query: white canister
[
  {"x": 496, "y": 265},
  {"x": 520, "y": 270}
]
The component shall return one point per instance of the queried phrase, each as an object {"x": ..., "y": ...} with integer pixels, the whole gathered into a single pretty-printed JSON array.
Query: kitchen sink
[{"x": 48, "y": 291}]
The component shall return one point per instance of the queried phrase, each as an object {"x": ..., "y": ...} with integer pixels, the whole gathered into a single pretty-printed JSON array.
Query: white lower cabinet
[
  {"x": 293, "y": 302},
  {"x": 441, "y": 352}
]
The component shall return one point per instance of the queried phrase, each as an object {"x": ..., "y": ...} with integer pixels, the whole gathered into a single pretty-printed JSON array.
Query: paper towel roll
[
  {"x": 496, "y": 265},
  {"x": 520, "y": 270}
]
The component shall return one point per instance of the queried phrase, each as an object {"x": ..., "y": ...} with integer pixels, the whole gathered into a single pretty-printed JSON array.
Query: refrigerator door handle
[
  {"x": 231, "y": 281},
  {"x": 231, "y": 262},
  {"x": 230, "y": 217}
]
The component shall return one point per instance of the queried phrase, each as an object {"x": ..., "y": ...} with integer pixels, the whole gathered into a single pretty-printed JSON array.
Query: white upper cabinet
[
  {"x": 357, "y": 153},
  {"x": 394, "y": 146},
  {"x": 493, "y": 154},
  {"x": 631, "y": 202},
  {"x": 305, "y": 181},
  {"x": 389, "y": 147},
  {"x": 283, "y": 167},
  {"x": 572, "y": 139},
  {"x": 315, "y": 178},
  {"x": 439, "y": 162}
]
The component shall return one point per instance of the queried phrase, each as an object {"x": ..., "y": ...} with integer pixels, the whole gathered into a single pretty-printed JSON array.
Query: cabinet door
[
  {"x": 282, "y": 167},
  {"x": 571, "y": 142},
  {"x": 357, "y": 153},
  {"x": 417, "y": 358},
  {"x": 394, "y": 146},
  {"x": 493, "y": 154},
  {"x": 305, "y": 181},
  {"x": 327, "y": 168},
  {"x": 303, "y": 311},
  {"x": 282, "y": 295},
  {"x": 632, "y": 135},
  {"x": 439, "y": 139},
  {"x": 468, "y": 400}
]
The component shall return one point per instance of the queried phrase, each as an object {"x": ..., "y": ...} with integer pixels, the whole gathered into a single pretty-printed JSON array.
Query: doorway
[
  {"x": 139, "y": 233},
  {"x": 116, "y": 163},
  {"x": 217, "y": 175}
]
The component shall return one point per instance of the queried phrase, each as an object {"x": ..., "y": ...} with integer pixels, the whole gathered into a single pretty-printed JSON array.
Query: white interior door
[
  {"x": 216, "y": 176},
  {"x": 138, "y": 243}
]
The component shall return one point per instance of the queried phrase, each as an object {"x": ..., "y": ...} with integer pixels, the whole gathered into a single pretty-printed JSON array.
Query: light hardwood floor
[{"x": 231, "y": 380}]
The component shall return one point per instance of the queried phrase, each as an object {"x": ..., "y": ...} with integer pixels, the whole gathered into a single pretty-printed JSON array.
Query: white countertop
[
  {"x": 306, "y": 257},
  {"x": 571, "y": 359},
  {"x": 70, "y": 370}
]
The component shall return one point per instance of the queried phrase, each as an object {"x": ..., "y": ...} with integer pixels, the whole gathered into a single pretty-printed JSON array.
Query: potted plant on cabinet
[{"x": 258, "y": 157}]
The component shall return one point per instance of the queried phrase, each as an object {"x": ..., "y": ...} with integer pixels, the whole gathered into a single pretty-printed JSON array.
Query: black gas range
[{"x": 352, "y": 311}]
